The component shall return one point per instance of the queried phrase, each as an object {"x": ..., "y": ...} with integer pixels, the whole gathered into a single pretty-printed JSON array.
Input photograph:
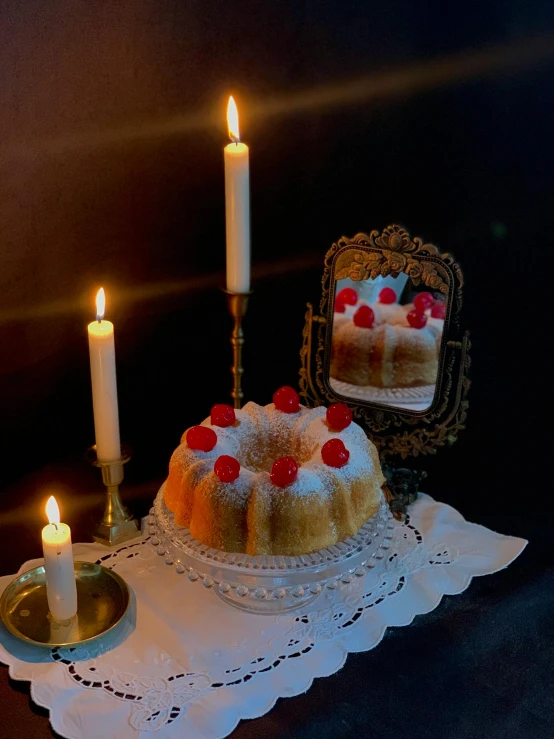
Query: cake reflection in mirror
[{"x": 386, "y": 337}]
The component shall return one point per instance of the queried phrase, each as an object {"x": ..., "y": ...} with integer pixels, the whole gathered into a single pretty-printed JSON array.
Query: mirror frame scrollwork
[{"x": 395, "y": 431}]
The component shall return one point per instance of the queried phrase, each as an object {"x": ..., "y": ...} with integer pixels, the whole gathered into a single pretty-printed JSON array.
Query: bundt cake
[
  {"x": 386, "y": 344},
  {"x": 279, "y": 479}
]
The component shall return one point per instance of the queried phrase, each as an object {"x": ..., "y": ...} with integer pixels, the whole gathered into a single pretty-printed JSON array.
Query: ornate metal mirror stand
[{"x": 398, "y": 432}]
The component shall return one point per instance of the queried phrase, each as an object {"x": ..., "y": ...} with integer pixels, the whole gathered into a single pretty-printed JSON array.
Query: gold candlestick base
[
  {"x": 237, "y": 303},
  {"x": 117, "y": 525}
]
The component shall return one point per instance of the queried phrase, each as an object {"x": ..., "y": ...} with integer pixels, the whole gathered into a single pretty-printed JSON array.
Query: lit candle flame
[
  {"x": 53, "y": 511},
  {"x": 100, "y": 304},
  {"x": 233, "y": 120}
]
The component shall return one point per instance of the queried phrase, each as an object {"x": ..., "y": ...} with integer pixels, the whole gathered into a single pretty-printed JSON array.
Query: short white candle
[
  {"x": 104, "y": 384},
  {"x": 61, "y": 589},
  {"x": 237, "y": 206}
]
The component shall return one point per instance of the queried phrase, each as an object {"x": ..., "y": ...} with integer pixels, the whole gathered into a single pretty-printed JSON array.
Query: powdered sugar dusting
[
  {"x": 239, "y": 491},
  {"x": 307, "y": 484},
  {"x": 281, "y": 427},
  {"x": 261, "y": 435}
]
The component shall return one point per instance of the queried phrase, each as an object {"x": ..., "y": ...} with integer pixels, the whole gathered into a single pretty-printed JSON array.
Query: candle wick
[
  {"x": 55, "y": 525},
  {"x": 99, "y": 318}
]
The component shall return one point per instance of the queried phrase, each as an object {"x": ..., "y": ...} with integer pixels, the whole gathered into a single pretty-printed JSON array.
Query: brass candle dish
[
  {"x": 118, "y": 525},
  {"x": 103, "y": 599},
  {"x": 237, "y": 304}
]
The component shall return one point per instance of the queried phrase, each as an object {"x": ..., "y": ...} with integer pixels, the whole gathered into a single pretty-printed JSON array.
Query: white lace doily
[{"x": 185, "y": 664}]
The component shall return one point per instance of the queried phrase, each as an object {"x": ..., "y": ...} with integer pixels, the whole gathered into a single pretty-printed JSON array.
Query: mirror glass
[{"x": 386, "y": 340}]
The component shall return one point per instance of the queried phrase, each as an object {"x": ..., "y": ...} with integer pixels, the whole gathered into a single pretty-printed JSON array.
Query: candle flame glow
[
  {"x": 100, "y": 304},
  {"x": 233, "y": 120},
  {"x": 53, "y": 511}
]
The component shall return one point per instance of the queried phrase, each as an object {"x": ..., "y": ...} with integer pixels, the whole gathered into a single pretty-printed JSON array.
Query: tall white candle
[
  {"x": 237, "y": 206},
  {"x": 104, "y": 384},
  {"x": 61, "y": 589}
]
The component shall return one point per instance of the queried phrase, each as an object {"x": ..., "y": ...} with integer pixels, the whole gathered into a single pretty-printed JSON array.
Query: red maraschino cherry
[
  {"x": 347, "y": 296},
  {"x": 387, "y": 296},
  {"x": 339, "y": 416},
  {"x": 201, "y": 438},
  {"x": 222, "y": 415},
  {"x": 334, "y": 453},
  {"x": 339, "y": 307},
  {"x": 284, "y": 471},
  {"x": 424, "y": 301},
  {"x": 287, "y": 400},
  {"x": 227, "y": 468},
  {"x": 416, "y": 318},
  {"x": 439, "y": 309},
  {"x": 364, "y": 317}
]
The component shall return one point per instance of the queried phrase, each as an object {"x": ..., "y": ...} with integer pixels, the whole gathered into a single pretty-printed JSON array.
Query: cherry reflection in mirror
[{"x": 386, "y": 339}]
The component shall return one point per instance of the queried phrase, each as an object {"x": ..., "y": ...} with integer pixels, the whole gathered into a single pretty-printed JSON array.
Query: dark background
[{"x": 439, "y": 116}]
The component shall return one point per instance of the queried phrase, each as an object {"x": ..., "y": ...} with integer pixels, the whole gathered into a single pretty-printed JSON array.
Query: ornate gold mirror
[{"x": 388, "y": 341}]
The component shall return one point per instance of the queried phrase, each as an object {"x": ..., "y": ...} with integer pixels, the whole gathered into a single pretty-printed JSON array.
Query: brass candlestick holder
[
  {"x": 237, "y": 303},
  {"x": 117, "y": 525}
]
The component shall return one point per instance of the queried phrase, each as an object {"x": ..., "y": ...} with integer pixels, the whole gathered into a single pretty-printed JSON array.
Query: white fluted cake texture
[{"x": 322, "y": 506}]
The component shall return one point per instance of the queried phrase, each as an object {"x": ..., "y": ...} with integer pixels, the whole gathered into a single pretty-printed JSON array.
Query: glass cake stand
[
  {"x": 269, "y": 584},
  {"x": 405, "y": 397}
]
